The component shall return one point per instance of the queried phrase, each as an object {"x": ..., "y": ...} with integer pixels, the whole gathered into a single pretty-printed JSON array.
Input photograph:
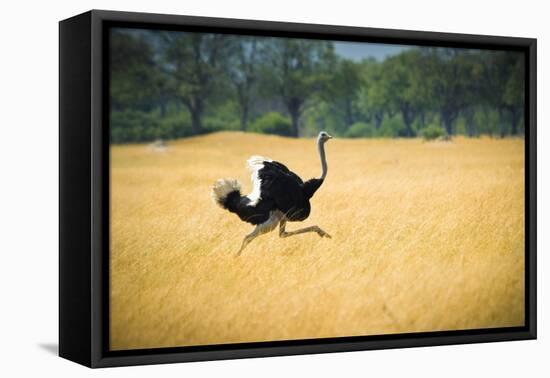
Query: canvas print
[{"x": 267, "y": 188}]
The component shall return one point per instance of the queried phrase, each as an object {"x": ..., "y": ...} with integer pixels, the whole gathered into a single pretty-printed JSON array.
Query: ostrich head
[{"x": 323, "y": 137}]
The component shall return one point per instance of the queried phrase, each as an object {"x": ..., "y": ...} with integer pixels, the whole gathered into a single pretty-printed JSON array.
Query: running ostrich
[{"x": 278, "y": 196}]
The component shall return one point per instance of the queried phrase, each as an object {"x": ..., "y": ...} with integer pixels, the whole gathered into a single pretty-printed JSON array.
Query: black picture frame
[{"x": 84, "y": 189}]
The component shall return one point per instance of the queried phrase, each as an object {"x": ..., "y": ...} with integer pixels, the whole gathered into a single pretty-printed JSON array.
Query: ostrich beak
[{"x": 329, "y": 136}]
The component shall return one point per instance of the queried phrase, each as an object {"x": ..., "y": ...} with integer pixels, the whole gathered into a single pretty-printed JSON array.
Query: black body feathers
[
  {"x": 276, "y": 188},
  {"x": 240, "y": 205}
]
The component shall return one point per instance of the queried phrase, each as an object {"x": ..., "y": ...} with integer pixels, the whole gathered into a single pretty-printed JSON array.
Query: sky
[
  {"x": 359, "y": 50},
  {"x": 355, "y": 51}
]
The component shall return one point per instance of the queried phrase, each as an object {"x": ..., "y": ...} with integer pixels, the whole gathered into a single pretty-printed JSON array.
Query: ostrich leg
[
  {"x": 261, "y": 229},
  {"x": 317, "y": 229},
  {"x": 248, "y": 238}
]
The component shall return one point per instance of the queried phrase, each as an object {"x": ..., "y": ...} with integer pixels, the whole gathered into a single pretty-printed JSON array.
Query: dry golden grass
[{"x": 426, "y": 236}]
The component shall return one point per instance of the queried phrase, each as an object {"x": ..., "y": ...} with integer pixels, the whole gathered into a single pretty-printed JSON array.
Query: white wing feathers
[{"x": 255, "y": 163}]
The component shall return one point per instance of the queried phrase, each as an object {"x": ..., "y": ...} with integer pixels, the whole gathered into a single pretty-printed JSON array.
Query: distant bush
[
  {"x": 222, "y": 117},
  {"x": 174, "y": 126},
  {"x": 487, "y": 121},
  {"x": 134, "y": 126},
  {"x": 361, "y": 130},
  {"x": 219, "y": 124},
  {"x": 432, "y": 132},
  {"x": 391, "y": 127},
  {"x": 272, "y": 123}
]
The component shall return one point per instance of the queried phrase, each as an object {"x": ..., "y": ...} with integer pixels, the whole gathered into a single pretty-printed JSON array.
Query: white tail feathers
[{"x": 222, "y": 188}]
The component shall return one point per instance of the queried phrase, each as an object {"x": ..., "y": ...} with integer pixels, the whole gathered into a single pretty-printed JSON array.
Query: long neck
[{"x": 321, "y": 149}]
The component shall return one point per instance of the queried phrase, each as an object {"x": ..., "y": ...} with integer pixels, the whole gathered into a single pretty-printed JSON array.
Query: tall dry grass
[{"x": 426, "y": 237}]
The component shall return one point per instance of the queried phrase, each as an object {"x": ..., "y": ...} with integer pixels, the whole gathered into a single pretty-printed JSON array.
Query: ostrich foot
[
  {"x": 284, "y": 234},
  {"x": 323, "y": 234}
]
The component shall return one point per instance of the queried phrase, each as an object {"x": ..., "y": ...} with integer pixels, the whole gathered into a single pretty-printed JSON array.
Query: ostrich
[{"x": 278, "y": 196}]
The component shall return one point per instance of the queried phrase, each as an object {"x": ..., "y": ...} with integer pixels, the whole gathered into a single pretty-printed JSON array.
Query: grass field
[{"x": 426, "y": 236}]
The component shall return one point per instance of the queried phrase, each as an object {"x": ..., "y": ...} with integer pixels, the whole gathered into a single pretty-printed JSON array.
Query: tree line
[{"x": 166, "y": 84}]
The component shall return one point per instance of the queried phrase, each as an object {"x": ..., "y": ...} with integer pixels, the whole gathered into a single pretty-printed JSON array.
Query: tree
[
  {"x": 133, "y": 81},
  {"x": 195, "y": 61},
  {"x": 296, "y": 69},
  {"x": 242, "y": 72},
  {"x": 503, "y": 74},
  {"x": 402, "y": 85},
  {"x": 514, "y": 93},
  {"x": 450, "y": 76},
  {"x": 342, "y": 90},
  {"x": 174, "y": 84},
  {"x": 372, "y": 97}
]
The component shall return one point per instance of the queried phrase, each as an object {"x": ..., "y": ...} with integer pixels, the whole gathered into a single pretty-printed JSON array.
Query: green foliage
[
  {"x": 341, "y": 92},
  {"x": 460, "y": 126},
  {"x": 320, "y": 116},
  {"x": 222, "y": 117},
  {"x": 371, "y": 93},
  {"x": 391, "y": 127},
  {"x": 488, "y": 119},
  {"x": 361, "y": 130},
  {"x": 272, "y": 123},
  {"x": 138, "y": 126},
  {"x": 177, "y": 125},
  {"x": 194, "y": 62},
  {"x": 133, "y": 74},
  {"x": 212, "y": 124},
  {"x": 453, "y": 80},
  {"x": 295, "y": 70},
  {"x": 132, "y": 125},
  {"x": 242, "y": 72},
  {"x": 167, "y": 84},
  {"x": 432, "y": 132}
]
